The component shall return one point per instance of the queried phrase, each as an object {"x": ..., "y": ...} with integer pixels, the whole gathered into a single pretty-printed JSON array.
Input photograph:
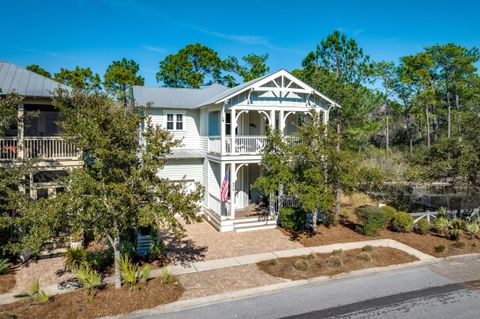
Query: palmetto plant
[
  {"x": 89, "y": 279},
  {"x": 4, "y": 265},
  {"x": 473, "y": 228},
  {"x": 35, "y": 293},
  {"x": 74, "y": 257}
]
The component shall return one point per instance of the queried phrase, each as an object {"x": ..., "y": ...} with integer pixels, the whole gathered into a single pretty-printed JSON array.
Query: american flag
[{"x": 224, "y": 190}]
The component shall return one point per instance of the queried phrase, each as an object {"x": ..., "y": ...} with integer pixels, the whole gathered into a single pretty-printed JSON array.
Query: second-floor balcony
[
  {"x": 37, "y": 147},
  {"x": 244, "y": 145}
]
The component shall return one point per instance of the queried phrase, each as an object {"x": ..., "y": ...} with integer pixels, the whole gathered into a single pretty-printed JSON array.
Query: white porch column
[
  {"x": 222, "y": 177},
  {"x": 233, "y": 179},
  {"x": 222, "y": 130},
  {"x": 325, "y": 117},
  {"x": 21, "y": 132},
  {"x": 282, "y": 121},
  {"x": 233, "y": 120},
  {"x": 272, "y": 119}
]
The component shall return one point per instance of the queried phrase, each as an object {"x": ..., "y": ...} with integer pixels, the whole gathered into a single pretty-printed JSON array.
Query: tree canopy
[
  {"x": 39, "y": 70},
  {"x": 120, "y": 78},
  {"x": 79, "y": 78}
]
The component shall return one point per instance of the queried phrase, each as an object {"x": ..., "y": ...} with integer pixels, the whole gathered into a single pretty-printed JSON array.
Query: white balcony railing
[
  {"x": 215, "y": 145},
  {"x": 243, "y": 145},
  {"x": 49, "y": 147}
]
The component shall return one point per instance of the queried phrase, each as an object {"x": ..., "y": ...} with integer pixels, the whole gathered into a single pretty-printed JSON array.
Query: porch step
[{"x": 250, "y": 225}]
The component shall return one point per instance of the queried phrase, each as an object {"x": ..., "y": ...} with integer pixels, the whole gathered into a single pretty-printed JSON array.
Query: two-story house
[
  {"x": 223, "y": 132},
  {"x": 39, "y": 136}
]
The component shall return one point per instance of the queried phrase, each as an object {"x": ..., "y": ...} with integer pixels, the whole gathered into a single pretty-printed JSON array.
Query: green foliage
[
  {"x": 367, "y": 248},
  {"x": 455, "y": 228},
  {"x": 455, "y": 234},
  {"x": 459, "y": 244},
  {"x": 35, "y": 293},
  {"x": 441, "y": 225},
  {"x": 79, "y": 78},
  {"x": 365, "y": 257},
  {"x": 39, "y": 70},
  {"x": 440, "y": 248},
  {"x": 124, "y": 263},
  {"x": 120, "y": 78},
  {"x": 372, "y": 220},
  {"x": 89, "y": 279},
  {"x": 74, "y": 257},
  {"x": 273, "y": 262},
  {"x": 335, "y": 261},
  {"x": 130, "y": 275},
  {"x": 301, "y": 265},
  {"x": 292, "y": 218},
  {"x": 423, "y": 227},
  {"x": 145, "y": 274},
  {"x": 254, "y": 67},
  {"x": 166, "y": 277},
  {"x": 402, "y": 222},
  {"x": 389, "y": 214},
  {"x": 4, "y": 266},
  {"x": 473, "y": 228}
]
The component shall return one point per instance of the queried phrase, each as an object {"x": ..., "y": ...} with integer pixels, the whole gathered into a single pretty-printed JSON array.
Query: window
[
  {"x": 228, "y": 123},
  {"x": 175, "y": 121}
]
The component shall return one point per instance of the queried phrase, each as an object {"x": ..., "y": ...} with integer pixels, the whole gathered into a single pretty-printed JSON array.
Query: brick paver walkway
[
  {"x": 218, "y": 281},
  {"x": 203, "y": 242},
  {"x": 49, "y": 271}
]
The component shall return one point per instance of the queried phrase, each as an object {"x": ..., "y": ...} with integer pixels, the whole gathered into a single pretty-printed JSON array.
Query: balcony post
[
  {"x": 21, "y": 132},
  {"x": 222, "y": 176},
  {"x": 272, "y": 119},
  {"x": 233, "y": 119},
  {"x": 282, "y": 121},
  {"x": 233, "y": 178},
  {"x": 222, "y": 130}
]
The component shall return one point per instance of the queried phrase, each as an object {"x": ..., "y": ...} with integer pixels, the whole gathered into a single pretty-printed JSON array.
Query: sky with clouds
[{"x": 93, "y": 33}]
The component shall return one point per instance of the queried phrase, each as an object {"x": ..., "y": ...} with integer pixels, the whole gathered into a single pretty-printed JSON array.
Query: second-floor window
[{"x": 175, "y": 121}]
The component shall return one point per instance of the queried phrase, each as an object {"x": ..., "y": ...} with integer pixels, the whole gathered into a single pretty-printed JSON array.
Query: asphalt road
[{"x": 447, "y": 290}]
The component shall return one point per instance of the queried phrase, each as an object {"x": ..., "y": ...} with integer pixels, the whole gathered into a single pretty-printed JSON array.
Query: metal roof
[
  {"x": 24, "y": 82},
  {"x": 175, "y": 97}
]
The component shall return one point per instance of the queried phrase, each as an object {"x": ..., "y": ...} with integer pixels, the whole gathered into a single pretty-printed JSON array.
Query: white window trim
[{"x": 175, "y": 113}]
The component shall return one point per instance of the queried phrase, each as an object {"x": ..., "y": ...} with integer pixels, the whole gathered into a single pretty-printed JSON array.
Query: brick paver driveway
[{"x": 203, "y": 242}]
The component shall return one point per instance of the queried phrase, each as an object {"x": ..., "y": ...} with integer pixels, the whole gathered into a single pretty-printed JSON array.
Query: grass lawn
[
  {"x": 108, "y": 301},
  {"x": 315, "y": 265}
]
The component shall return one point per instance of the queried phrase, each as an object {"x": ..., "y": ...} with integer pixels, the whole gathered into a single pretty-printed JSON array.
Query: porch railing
[
  {"x": 51, "y": 147},
  {"x": 215, "y": 204},
  {"x": 243, "y": 145}
]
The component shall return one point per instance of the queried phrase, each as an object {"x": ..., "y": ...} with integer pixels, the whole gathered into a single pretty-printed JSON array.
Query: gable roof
[
  {"x": 24, "y": 82},
  {"x": 185, "y": 98}
]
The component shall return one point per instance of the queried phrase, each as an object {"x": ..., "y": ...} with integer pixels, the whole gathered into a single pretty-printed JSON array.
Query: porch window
[
  {"x": 175, "y": 121},
  {"x": 228, "y": 123}
]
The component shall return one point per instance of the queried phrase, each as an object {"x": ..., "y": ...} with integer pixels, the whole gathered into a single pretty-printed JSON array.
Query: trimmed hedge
[
  {"x": 371, "y": 219},
  {"x": 389, "y": 213},
  {"x": 402, "y": 222},
  {"x": 292, "y": 219}
]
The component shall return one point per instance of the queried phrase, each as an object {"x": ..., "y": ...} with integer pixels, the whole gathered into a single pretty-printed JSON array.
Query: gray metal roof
[
  {"x": 27, "y": 83},
  {"x": 175, "y": 97},
  {"x": 185, "y": 153}
]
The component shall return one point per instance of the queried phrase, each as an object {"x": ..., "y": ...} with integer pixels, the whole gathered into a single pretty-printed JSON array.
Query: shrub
[
  {"x": 130, "y": 276},
  {"x": 98, "y": 260},
  {"x": 371, "y": 219},
  {"x": 402, "y": 222},
  {"x": 423, "y": 226},
  {"x": 458, "y": 244},
  {"x": 312, "y": 256},
  {"x": 145, "y": 274},
  {"x": 472, "y": 228},
  {"x": 123, "y": 263},
  {"x": 345, "y": 213},
  {"x": 367, "y": 248},
  {"x": 364, "y": 256},
  {"x": 74, "y": 257},
  {"x": 35, "y": 293},
  {"x": 337, "y": 252},
  {"x": 389, "y": 213},
  {"x": 455, "y": 234},
  {"x": 441, "y": 225},
  {"x": 292, "y": 219},
  {"x": 335, "y": 261},
  {"x": 301, "y": 265},
  {"x": 440, "y": 248},
  {"x": 89, "y": 279},
  {"x": 273, "y": 262},
  {"x": 166, "y": 277},
  {"x": 4, "y": 265},
  {"x": 330, "y": 219}
]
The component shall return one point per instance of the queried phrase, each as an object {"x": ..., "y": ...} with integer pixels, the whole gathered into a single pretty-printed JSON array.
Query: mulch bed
[
  {"x": 424, "y": 243},
  {"x": 108, "y": 301},
  {"x": 7, "y": 282},
  {"x": 328, "y": 265}
]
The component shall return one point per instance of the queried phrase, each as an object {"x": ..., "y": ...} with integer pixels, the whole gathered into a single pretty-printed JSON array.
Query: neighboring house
[
  {"x": 39, "y": 137},
  {"x": 223, "y": 132}
]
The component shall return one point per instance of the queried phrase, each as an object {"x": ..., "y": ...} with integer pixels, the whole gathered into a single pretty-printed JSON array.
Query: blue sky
[{"x": 92, "y": 33}]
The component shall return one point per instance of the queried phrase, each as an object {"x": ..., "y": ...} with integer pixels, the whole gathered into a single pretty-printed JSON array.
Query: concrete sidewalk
[{"x": 202, "y": 266}]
